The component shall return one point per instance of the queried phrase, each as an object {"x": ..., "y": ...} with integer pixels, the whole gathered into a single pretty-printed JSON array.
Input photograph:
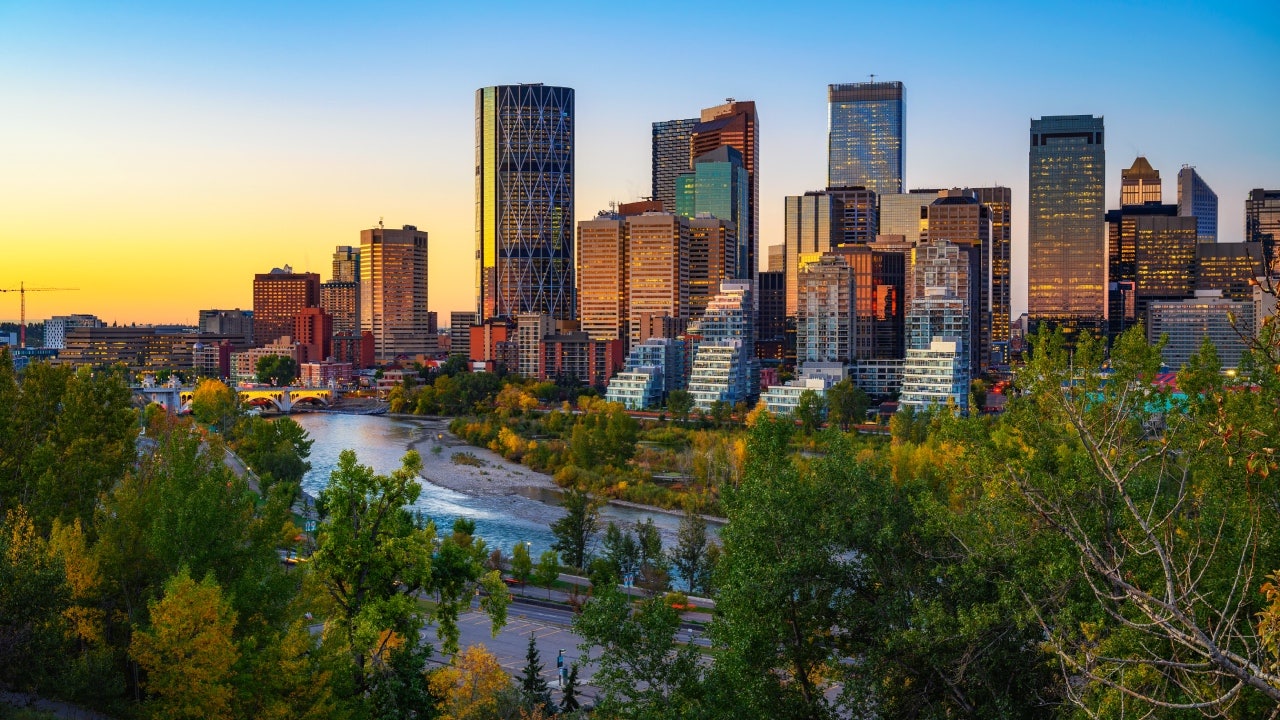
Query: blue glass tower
[
  {"x": 866, "y": 136},
  {"x": 719, "y": 186}
]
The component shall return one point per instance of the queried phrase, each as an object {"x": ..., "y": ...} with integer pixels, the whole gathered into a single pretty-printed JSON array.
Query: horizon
[{"x": 169, "y": 154}]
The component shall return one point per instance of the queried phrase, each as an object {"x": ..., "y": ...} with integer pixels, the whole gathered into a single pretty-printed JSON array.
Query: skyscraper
[
  {"x": 393, "y": 292},
  {"x": 737, "y": 125},
  {"x": 657, "y": 271},
  {"x": 278, "y": 296},
  {"x": 1140, "y": 183},
  {"x": 999, "y": 200},
  {"x": 1262, "y": 223},
  {"x": 1151, "y": 255},
  {"x": 903, "y": 213},
  {"x": 958, "y": 217},
  {"x": 720, "y": 187},
  {"x": 1197, "y": 199},
  {"x": 1066, "y": 237},
  {"x": 808, "y": 232},
  {"x": 672, "y": 140},
  {"x": 524, "y": 201},
  {"x": 602, "y": 276},
  {"x": 346, "y": 264},
  {"x": 866, "y": 136}
]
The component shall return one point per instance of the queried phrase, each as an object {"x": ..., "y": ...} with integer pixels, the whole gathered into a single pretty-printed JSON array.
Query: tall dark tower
[
  {"x": 737, "y": 125},
  {"x": 1067, "y": 238},
  {"x": 671, "y": 158},
  {"x": 866, "y": 131},
  {"x": 524, "y": 201}
]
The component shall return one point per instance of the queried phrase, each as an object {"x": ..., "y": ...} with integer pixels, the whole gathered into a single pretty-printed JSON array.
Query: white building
[
  {"x": 636, "y": 389},
  {"x": 1226, "y": 323},
  {"x": 936, "y": 375},
  {"x": 55, "y": 328},
  {"x": 725, "y": 367},
  {"x": 784, "y": 399}
]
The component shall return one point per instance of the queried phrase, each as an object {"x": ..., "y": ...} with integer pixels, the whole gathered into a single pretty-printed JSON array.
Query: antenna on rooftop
[
  {"x": 379, "y": 222},
  {"x": 873, "y": 77}
]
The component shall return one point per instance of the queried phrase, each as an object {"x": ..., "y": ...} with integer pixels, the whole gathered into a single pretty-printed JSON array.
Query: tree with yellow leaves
[
  {"x": 188, "y": 652},
  {"x": 471, "y": 685},
  {"x": 214, "y": 404}
]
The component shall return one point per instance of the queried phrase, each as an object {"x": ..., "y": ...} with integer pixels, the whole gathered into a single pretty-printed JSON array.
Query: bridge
[{"x": 279, "y": 399}]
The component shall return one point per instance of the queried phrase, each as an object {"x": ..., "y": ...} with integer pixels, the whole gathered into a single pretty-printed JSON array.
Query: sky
[{"x": 157, "y": 155}]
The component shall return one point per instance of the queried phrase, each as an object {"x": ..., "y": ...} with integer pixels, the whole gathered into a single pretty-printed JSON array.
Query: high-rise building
[
  {"x": 657, "y": 270},
  {"x": 958, "y": 217},
  {"x": 1140, "y": 184},
  {"x": 602, "y": 276},
  {"x": 719, "y": 187},
  {"x": 460, "y": 323},
  {"x": 531, "y": 328},
  {"x": 1151, "y": 255},
  {"x": 857, "y": 213},
  {"x": 777, "y": 260},
  {"x": 1207, "y": 315},
  {"x": 313, "y": 331},
  {"x": 214, "y": 322},
  {"x": 936, "y": 375},
  {"x": 524, "y": 201},
  {"x": 672, "y": 140},
  {"x": 1197, "y": 199},
  {"x": 725, "y": 368},
  {"x": 278, "y": 296},
  {"x": 943, "y": 286},
  {"x": 346, "y": 264},
  {"x": 771, "y": 324},
  {"x": 825, "y": 318},
  {"x": 712, "y": 259},
  {"x": 737, "y": 125},
  {"x": 903, "y": 213},
  {"x": 393, "y": 292},
  {"x": 1066, "y": 237},
  {"x": 1230, "y": 268},
  {"x": 1262, "y": 223},
  {"x": 808, "y": 232},
  {"x": 866, "y": 136},
  {"x": 999, "y": 200}
]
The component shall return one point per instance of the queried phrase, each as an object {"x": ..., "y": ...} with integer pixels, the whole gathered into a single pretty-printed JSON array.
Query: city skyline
[{"x": 171, "y": 154}]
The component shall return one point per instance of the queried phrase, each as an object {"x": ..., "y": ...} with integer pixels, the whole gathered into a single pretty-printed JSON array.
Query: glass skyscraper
[
  {"x": 524, "y": 201},
  {"x": 671, "y": 158},
  {"x": 720, "y": 186},
  {"x": 1197, "y": 199},
  {"x": 1066, "y": 238},
  {"x": 866, "y": 136},
  {"x": 1262, "y": 223}
]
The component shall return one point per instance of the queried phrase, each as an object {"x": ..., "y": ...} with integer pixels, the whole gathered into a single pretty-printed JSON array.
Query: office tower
[
  {"x": 736, "y": 124},
  {"x": 719, "y": 187},
  {"x": 393, "y": 292},
  {"x": 212, "y": 322},
  {"x": 825, "y": 317},
  {"x": 341, "y": 300},
  {"x": 672, "y": 140},
  {"x": 1188, "y": 322},
  {"x": 725, "y": 368},
  {"x": 1066, "y": 238},
  {"x": 1197, "y": 199},
  {"x": 278, "y": 296},
  {"x": 866, "y": 136},
  {"x": 56, "y": 327},
  {"x": 999, "y": 200},
  {"x": 903, "y": 213},
  {"x": 777, "y": 258},
  {"x": 857, "y": 214},
  {"x": 657, "y": 271},
  {"x": 1140, "y": 184},
  {"x": 531, "y": 328},
  {"x": 602, "y": 276},
  {"x": 313, "y": 332},
  {"x": 959, "y": 218},
  {"x": 771, "y": 324},
  {"x": 1230, "y": 268},
  {"x": 807, "y": 235},
  {"x": 878, "y": 280},
  {"x": 460, "y": 323},
  {"x": 524, "y": 201},
  {"x": 346, "y": 264},
  {"x": 1151, "y": 255},
  {"x": 713, "y": 259},
  {"x": 1262, "y": 223}
]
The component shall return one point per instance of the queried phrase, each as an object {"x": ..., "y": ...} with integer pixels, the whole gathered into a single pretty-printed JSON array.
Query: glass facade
[
  {"x": 524, "y": 201},
  {"x": 1066, "y": 235},
  {"x": 1262, "y": 223},
  {"x": 735, "y": 124},
  {"x": 807, "y": 231},
  {"x": 999, "y": 200},
  {"x": 671, "y": 158},
  {"x": 866, "y": 136},
  {"x": 1197, "y": 199},
  {"x": 393, "y": 292},
  {"x": 720, "y": 187}
]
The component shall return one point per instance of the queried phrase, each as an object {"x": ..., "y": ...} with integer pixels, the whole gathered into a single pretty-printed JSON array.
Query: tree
[
  {"x": 547, "y": 571},
  {"x": 458, "y": 573},
  {"x": 690, "y": 556},
  {"x": 469, "y": 687},
  {"x": 521, "y": 563},
  {"x": 373, "y": 558},
  {"x": 654, "y": 572},
  {"x": 1156, "y": 506},
  {"x": 810, "y": 408},
  {"x": 188, "y": 652},
  {"x": 574, "y": 531},
  {"x": 33, "y": 594},
  {"x": 214, "y": 404},
  {"x": 277, "y": 450},
  {"x": 642, "y": 672},
  {"x": 569, "y": 699},
  {"x": 621, "y": 551},
  {"x": 604, "y": 435},
  {"x": 535, "y": 693},
  {"x": 680, "y": 403},
  {"x": 847, "y": 404},
  {"x": 277, "y": 370}
]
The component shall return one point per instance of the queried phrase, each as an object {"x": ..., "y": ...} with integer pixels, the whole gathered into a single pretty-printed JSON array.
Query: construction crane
[{"x": 22, "y": 291}]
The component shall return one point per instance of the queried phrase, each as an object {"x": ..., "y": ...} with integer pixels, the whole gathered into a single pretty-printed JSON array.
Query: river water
[{"x": 503, "y": 521}]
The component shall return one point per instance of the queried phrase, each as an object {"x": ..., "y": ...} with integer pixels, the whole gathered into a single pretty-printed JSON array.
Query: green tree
[
  {"x": 569, "y": 698},
  {"x": 214, "y": 404},
  {"x": 547, "y": 571},
  {"x": 458, "y": 573},
  {"x": 535, "y": 693},
  {"x": 655, "y": 574},
  {"x": 604, "y": 435},
  {"x": 188, "y": 652},
  {"x": 521, "y": 563},
  {"x": 277, "y": 370},
  {"x": 690, "y": 554},
  {"x": 621, "y": 551},
  {"x": 847, "y": 404},
  {"x": 810, "y": 409},
  {"x": 277, "y": 450},
  {"x": 33, "y": 594},
  {"x": 642, "y": 672},
  {"x": 574, "y": 531},
  {"x": 680, "y": 403}
]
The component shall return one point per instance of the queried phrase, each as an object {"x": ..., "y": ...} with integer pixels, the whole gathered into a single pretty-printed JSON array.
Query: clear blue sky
[{"x": 157, "y": 155}]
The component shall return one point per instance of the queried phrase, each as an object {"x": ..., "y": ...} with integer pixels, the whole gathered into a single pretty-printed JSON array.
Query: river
[{"x": 502, "y": 520}]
